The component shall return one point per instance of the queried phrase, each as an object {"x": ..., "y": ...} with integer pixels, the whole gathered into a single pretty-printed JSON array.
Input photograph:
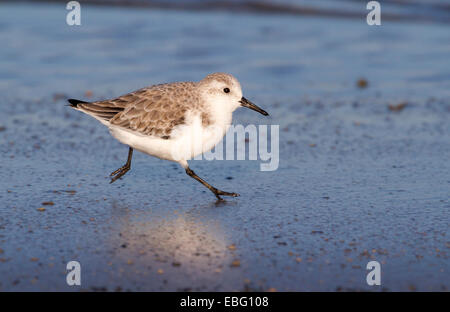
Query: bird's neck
[{"x": 220, "y": 117}]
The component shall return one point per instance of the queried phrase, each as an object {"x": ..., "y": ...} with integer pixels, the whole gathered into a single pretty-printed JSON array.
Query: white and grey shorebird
[{"x": 173, "y": 121}]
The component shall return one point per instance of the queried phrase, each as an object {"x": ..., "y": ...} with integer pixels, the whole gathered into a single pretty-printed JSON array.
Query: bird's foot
[
  {"x": 117, "y": 174},
  {"x": 219, "y": 193}
]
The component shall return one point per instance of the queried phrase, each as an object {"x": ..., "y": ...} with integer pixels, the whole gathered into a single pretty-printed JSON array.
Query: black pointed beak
[{"x": 246, "y": 103}]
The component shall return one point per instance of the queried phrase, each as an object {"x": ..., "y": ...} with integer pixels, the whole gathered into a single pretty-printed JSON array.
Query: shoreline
[{"x": 265, "y": 8}]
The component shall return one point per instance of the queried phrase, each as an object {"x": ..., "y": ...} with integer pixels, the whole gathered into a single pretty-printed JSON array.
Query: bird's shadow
[{"x": 223, "y": 203}]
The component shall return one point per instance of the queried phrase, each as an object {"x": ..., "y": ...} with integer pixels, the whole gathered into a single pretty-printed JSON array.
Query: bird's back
[{"x": 152, "y": 111}]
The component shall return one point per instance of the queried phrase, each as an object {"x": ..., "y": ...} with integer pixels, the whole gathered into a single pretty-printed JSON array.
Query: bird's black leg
[
  {"x": 124, "y": 169},
  {"x": 209, "y": 186}
]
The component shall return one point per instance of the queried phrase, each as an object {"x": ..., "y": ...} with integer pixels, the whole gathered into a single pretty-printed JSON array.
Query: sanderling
[{"x": 172, "y": 121}]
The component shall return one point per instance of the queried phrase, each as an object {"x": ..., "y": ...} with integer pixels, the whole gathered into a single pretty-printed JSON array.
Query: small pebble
[
  {"x": 362, "y": 83},
  {"x": 398, "y": 107}
]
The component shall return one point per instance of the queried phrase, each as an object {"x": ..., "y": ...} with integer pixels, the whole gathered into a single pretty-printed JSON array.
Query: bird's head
[{"x": 224, "y": 92}]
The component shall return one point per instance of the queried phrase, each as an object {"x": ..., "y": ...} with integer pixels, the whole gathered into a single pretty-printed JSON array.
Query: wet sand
[{"x": 363, "y": 174}]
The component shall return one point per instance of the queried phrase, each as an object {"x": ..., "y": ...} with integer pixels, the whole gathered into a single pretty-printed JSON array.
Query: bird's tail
[
  {"x": 74, "y": 103},
  {"x": 103, "y": 110}
]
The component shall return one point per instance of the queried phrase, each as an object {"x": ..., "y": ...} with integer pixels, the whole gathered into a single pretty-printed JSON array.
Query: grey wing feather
[
  {"x": 155, "y": 111},
  {"x": 105, "y": 110}
]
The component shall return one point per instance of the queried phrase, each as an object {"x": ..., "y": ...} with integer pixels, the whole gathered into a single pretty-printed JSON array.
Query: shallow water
[{"x": 356, "y": 180}]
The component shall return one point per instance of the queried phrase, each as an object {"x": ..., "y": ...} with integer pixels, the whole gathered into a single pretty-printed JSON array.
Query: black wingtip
[{"x": 74, "y": 103}]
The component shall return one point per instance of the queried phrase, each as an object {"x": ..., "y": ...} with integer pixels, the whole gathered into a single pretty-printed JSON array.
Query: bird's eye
[{"x": 226, "y": 90}]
